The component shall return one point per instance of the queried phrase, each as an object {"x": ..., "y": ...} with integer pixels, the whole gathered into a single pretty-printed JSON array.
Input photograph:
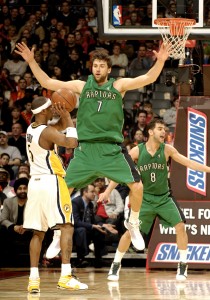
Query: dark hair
[
  {"x": 3, "y": 154},
  {"x": 37, "y": 102},
  {"x": 101, "y": 55},
  {"x": 153, "y": 122},
  {"x": 84, "y": 189}
]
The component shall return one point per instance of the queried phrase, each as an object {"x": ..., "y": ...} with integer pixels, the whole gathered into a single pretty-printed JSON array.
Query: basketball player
[
  {"x": 49, "y": 204},
  {"x": 99, "y": 123},
  {"x": 151, "y": 158}
]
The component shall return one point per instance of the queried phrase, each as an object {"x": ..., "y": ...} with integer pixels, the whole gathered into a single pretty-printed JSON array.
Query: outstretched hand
[
  {"x": 163, "y": 52},
  {"x": 25, "y": 52}
]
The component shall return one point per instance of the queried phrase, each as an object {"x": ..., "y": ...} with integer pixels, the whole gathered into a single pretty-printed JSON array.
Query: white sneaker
[
  {"x": 54, "y": 247},
  {"x": 136, "y": 237},
  {"x": 114, "y": 271},
  {"x": 71, "y": 282},
  {"x": 181, "y": 271}
]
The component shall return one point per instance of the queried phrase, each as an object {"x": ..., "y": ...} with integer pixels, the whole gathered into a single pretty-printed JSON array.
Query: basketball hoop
[{"x": 175, "y": 32}]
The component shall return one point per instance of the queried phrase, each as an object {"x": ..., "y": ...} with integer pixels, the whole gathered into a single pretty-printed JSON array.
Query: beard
[
  {"x": 101, "y": 79},
  {"x": 22, "y": 195}
]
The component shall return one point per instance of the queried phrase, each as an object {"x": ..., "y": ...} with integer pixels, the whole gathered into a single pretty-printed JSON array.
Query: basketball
[{"x": 65, "y": 96}]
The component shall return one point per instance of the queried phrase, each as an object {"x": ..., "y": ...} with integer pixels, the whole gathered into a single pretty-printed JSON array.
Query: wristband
[{"x": 71, "y": 132}]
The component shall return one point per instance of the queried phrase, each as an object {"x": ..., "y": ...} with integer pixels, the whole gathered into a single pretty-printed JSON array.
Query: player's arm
[
  {"x": 44, "y": 80},
  {"x": 134, "y": 153},
  {"x": 183, "y": 160},
  {"x": 51, "y": 136},
  {"x": 125, "y": 84}
]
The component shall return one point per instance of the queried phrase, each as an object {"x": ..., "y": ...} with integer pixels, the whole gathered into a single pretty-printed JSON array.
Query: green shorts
[
  {"x": 93, "y": 160},
  {"x": 164, "y": 207}
]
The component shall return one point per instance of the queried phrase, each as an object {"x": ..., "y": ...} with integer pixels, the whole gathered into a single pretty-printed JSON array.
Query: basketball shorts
[
  {"x": 164, "y": 207},
  {"x": 48, "y": 204},
  {"x": 93, "y": 160}
]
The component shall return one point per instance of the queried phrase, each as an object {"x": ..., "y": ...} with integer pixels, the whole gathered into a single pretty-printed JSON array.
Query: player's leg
[
  {"x": 63, "y": 216},
  {"x": 171, "y": 215},
  {"x": 67, "y": 281},
  {"x": 35, "y": 249},
  {"x": 135, "y": 199},
  {"x": 123, "y": 246},
  {"x": 182, "y": 241}
]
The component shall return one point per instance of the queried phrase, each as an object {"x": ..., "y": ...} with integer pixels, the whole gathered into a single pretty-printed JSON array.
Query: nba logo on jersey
[
  {"x": 196, "y": 149},
  {"x": 117, "y": 15}
]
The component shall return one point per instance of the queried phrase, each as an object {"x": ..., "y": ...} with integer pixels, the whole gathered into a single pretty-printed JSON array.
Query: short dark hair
[
  {"x": 153, "y": 122},
  {"x": 101, "y": 55}
]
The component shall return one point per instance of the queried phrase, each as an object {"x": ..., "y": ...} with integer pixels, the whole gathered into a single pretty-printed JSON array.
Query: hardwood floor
[{"x": 134, "y": 283}]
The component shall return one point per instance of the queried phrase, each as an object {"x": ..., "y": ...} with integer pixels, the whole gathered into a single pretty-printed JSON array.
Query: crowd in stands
[{"x": 64, "y": 36}]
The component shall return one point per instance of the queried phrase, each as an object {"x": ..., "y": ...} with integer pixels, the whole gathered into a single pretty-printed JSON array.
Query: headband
[{"x": 40, "y": 108}]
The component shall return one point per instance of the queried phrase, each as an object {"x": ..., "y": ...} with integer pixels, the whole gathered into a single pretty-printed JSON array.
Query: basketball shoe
[
  {"x": 34, "y": 286},
  {"x": 70, "y": 282},
  {"x": 136, "y": 237},
  {"x": 181, "y": 271},
  {"x": 114, "y": 271}
]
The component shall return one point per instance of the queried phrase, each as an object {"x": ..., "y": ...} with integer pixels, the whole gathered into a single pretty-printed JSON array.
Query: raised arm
[
  {"x": 183, "y": 160},
  {"x": 45, "y": 81},
  {"x": 125, "y": 84}
]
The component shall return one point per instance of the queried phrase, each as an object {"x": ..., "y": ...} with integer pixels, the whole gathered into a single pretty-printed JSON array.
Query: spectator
[
  {"x": 141, "y": 62},
  {"x": 140, "y": 124},
  {"x": 138, "y": 137},
  {"x": 5, "y": 49},
  {"x": 92, "y": 19},
  {"x": 147, "y": 19},
  {"x": 4, "y": 163},
  {"x": 118, "y": 59},
  {"x": 15, "y": 117},
  {"x": 70, "y": 44},
  {"x": 17, "y": 140},
  {"x": 15, "y": 65},
  {"x": 5, "y": 188},
  {"x": 65, "y": 16},
  {"x": 30, "y": 82},
  {"x": 86, "y": 230},
  {"x": 13, "y": 236},
  {"x": 74, "y": 65},
  {"x": 12, "y": 36},
  {"x": 45, "y": 15},
  {"x": 14, "y": 153},
  {"x": 23, "y": 171},
  {"x": 3, "y": 113},
  {"x": 147, "y": 106},
  {"x": 8, "y": 85},
  {"x": 171, "y": 11},
  {"x": 109, "y": 211},
  {"x": 18, "y": 93},
  {"x": 169, "y": 116}
]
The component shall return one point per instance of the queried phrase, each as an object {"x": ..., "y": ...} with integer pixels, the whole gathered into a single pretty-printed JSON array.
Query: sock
[
  {"x": 118, "y": 256},
  {"x": 34, "y": 273},
  {"x": 134, "y": 216},
  {"x": 183, "y": 256},
  {"x": 65, "y": 269}
]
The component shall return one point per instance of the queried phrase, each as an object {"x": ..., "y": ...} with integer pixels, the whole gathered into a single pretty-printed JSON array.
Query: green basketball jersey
[
  {"x": 100, "y": 113},
  {"x": 153, "y": 169}
]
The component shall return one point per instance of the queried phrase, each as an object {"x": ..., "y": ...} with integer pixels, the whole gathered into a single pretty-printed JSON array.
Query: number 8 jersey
[
  {"x": 153, "y": 170},
  {"x": 41, "y": 161}
]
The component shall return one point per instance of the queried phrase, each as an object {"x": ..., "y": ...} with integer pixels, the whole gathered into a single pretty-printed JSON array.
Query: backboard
[{"x": 116, "y": 18}]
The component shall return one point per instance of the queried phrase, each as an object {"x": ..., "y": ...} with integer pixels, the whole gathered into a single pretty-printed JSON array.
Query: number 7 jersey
[
  {"x": 41, "y": 161},
  {"x": 153, "y": 170}
]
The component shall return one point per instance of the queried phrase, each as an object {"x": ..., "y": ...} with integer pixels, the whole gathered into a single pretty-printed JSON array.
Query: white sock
[
  {"x": 65, "y": 269},
  {"x": 118, "y": 256},
  {"x": 134, "y": 216},
  {"x": 34, "y": 273},
  {"x": 183, "y": 255}
]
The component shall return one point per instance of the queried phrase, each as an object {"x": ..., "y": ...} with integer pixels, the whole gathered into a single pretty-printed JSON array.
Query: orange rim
[{"x": 178, "y": 21}]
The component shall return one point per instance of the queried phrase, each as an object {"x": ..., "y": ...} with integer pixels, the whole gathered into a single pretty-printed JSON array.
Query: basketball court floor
[{"x": 134, "y": 283}]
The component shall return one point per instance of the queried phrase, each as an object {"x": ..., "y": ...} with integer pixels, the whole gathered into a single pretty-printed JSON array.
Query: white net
[{"x": 175, "y": 32}]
